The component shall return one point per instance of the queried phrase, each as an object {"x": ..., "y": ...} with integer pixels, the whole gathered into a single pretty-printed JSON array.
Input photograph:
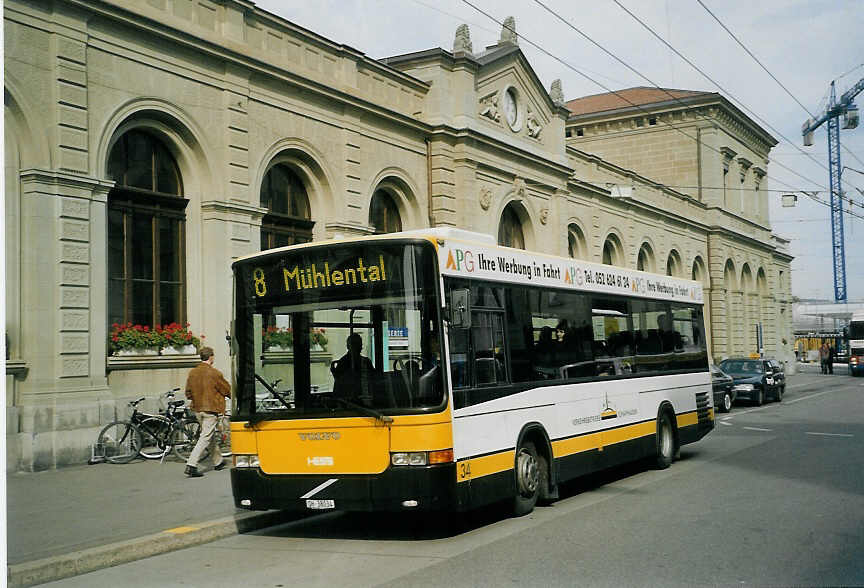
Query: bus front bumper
[{"x": 429, "y": 488}]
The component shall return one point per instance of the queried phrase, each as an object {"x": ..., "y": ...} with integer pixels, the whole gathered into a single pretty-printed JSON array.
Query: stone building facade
[
  {"x": 710, "y": 162},
  {"x": 148, "y": 144}
]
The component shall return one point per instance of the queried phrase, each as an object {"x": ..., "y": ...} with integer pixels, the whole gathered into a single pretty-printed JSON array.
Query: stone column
[{"x": 63, "y": 289}]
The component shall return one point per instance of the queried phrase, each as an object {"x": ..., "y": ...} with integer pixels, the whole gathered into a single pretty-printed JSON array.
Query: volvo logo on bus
[{"x": 334, "y": 436}]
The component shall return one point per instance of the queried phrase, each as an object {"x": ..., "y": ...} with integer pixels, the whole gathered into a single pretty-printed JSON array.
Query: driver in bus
[{"x": 350, "y": 366}]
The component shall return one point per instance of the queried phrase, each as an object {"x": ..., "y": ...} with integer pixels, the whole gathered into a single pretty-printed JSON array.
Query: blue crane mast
[{"x": 833, "y": 111}]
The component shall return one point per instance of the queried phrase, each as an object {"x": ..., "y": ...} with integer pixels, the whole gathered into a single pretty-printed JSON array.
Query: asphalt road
[{"x": 774, "y": 496}]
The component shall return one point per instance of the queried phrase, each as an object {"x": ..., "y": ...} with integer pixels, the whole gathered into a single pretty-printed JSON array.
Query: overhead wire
[
  {"x": 639, "y": 107},
  {"x": 488, "y": 30},
  {"x": 756, "y": 59},
  {"x": 672, "y": 96},
  {"x": 694, "y": 66},
  {"x": 727, "y": 93},
  {"x": 773, "y": 77}
]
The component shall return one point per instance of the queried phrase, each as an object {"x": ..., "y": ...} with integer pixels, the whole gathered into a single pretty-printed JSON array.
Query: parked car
[
  {"x": 724, "y": 392},
  {"x": 856, "y": 362},
  {"x": 756, "y": 380}
]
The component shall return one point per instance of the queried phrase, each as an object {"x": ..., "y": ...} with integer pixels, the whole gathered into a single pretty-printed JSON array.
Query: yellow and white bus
[{"x": 435, "y": 370}]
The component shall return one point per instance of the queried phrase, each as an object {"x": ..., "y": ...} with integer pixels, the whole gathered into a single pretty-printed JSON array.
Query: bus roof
[{"x": 434, "y": 234}]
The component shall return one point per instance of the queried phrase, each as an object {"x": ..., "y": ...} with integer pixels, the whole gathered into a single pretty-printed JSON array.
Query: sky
[{"x": 804, "y": 44}]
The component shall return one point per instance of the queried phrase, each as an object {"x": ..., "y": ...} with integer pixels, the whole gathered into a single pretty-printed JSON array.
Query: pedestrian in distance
[
  {"x": 831, "y": 354},
  {"x": 207, "y": 389},
  {"x": 823, "y": 357}
]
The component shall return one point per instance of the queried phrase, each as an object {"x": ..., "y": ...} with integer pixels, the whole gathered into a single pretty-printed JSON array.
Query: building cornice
[
  {"x": 700, "y": 106},
  {"x": 465, "y": 134},
  {"x": 228, "y": 50}
]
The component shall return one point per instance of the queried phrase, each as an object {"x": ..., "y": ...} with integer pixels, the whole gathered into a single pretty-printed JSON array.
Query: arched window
[
  {"x": 645, "y": 260},
  {"x": 575, "y": 241},
  {"x": 145, "y": 233},
  {"x": 287, "y": 220},
  {"x": 384, "y": 214},
  {"x": 673, "y": 264},
  {"x": 612, "y": 251},
  {"x": 510, "y": 230}
]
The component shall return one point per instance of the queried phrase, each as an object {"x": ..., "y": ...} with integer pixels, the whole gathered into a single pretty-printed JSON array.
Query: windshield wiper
[{"x": 365, "y": 410}]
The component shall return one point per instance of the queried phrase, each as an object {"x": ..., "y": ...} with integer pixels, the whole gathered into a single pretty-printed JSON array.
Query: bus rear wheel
[
  {"x": 665, "y": 441},
  {"x": 530, "y": 470}
]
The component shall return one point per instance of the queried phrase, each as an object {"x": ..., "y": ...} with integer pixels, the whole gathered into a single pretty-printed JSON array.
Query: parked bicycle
[{"x": 152, "y": 436}]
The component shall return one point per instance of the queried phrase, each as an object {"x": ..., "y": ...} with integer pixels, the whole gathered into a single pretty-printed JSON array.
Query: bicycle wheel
[
  {"x": 119, "y": 442},
  {"x": 184, "y": 436},
  {"x": 154, "y": 436},
  {"x": 223, "y": 430}
]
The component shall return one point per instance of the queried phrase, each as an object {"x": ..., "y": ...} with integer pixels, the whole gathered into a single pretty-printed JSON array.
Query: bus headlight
[
  {"x": 421, "y": 458},
  {"x": 413, "y": 458},
  {"x": 246, "y": 461}
]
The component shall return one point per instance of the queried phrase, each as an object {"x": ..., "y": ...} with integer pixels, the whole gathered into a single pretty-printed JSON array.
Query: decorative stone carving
[
  {"x": 462, "y": 42},
  {"x": 489, "y": 107},
  {"x": 758, "y": 174},
  {"x": 532, "y": 124},
  {"x": 544, "y": 215},
  {"x": 508, "y": 32},
  {"x": 75, "y": 367},
  {"x": 744, "y": 165},
  {"x": 556, "y": 93},
  {"x": 728, "y": 155},
  {"x": 519, "y": 187},
  {"x": 485, "y": 198}
]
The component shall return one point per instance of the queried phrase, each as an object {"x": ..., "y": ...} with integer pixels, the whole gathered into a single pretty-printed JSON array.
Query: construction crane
[{"x": 833, "y": 111}]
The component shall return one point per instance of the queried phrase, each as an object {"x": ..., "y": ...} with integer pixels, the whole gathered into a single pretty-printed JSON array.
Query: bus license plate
[{"x": 320, "y": 504}]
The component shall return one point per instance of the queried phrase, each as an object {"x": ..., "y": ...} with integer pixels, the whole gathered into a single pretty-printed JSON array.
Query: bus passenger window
[
  {"x": 459, "y": 357},
  {"x": 487, "y": 332}
]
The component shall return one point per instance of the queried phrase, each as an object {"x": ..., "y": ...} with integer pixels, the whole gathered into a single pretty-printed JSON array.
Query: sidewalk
[
  {"x": 70, "y": 521},
  {"x": 814, "y": 367}
]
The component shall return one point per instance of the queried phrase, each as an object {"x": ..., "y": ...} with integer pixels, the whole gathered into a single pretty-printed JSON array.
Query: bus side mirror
[{"x": 460, "y": 308}]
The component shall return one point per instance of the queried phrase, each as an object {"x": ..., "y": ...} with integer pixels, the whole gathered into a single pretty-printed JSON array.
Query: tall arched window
[
  {"x": 575, "y": 241},
  {"x": 673, "y": 264},
  {"x": 612, "y": 251},
  {"x": 510, "y": 230},
  {"x": 287, "y": 221},
  {"x": 146, "y": 233},
  {"x": 645, "y": 259},
  {"x": 384, "y": 214}
]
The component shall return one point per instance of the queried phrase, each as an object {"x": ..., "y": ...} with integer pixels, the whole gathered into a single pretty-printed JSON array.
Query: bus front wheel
[
  {"x": 665, "y": 441},
  {"x": 529, "y": 474}
]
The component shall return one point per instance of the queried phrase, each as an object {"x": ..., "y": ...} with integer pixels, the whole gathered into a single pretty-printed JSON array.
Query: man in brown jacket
[{"x": 207, "y": 389}]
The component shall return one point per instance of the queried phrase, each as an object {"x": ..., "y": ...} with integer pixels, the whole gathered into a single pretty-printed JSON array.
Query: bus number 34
[{"x": 464, "y": 470}]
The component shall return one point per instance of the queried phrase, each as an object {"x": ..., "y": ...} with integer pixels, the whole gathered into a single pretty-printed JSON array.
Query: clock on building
[{"x": 511, "y": 109}]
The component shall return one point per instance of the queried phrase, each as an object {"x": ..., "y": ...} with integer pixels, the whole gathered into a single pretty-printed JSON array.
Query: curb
[{"x": 76, "y": 563}]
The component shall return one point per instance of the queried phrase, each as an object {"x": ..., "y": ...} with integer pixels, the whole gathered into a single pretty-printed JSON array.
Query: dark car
[
  {"x": 724, "y": 393},
  {"x": 856, "y": 361},
  {"x": 756, "y": 380}
]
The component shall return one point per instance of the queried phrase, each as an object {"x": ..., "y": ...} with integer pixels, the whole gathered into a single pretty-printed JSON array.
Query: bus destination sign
[{"x": 318, "y": 275}]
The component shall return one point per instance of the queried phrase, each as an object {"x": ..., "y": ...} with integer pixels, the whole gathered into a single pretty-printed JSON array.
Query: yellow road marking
[{"x": 181, "y": 530}]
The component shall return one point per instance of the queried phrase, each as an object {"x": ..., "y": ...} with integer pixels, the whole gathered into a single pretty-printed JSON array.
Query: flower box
[
  {"x": 173, "y": 339},
  {"x": 278, "y": 348},
  {"x": 137, "y": 351},
  {"x": 179, "y": 350}
]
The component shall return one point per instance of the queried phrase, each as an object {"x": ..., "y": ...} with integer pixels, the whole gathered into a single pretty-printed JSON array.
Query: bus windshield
[{"x": 338, "y": 330}]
